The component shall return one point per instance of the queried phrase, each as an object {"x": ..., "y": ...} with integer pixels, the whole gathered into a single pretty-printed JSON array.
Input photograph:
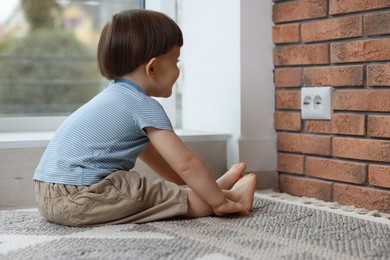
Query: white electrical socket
[{"x": 316, "y": 103}]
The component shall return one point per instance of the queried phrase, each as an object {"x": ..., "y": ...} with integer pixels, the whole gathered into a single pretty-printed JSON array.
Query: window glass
[{"x": 48, "y": 54}]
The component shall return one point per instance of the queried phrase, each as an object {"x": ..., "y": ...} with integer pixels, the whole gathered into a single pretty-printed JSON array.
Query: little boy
[{"x": 84, "y": 177}]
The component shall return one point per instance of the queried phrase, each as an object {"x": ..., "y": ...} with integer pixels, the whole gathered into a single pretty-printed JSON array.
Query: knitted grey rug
[{"x": 280, "y": 227}]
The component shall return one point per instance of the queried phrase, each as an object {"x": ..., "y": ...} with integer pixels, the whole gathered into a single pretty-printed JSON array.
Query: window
[{"x": 48, "y": 56}]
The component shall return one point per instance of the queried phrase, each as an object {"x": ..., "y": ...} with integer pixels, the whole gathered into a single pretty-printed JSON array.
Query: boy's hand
[{"x": 229, "y": 207}]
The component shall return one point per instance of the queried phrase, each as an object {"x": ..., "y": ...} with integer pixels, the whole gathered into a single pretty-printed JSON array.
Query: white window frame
[{"x": 30, "y": 124}]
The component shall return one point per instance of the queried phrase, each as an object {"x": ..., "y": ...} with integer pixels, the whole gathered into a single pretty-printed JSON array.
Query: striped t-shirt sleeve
[{"x": 152, "y": 114}]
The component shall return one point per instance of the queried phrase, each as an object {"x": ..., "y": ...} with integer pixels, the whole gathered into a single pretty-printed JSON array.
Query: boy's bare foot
[
  {"x": 243, "y": 192},
  {"x": 235, "y": 172}
]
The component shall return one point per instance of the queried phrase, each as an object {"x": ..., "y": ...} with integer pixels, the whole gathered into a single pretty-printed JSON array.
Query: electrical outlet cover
[{"x": 316, "y": 103}]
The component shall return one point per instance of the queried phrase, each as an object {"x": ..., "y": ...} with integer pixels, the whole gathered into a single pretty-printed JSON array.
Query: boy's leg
[
  {"x": 196, "y": 206},
  {"x": 235, "y": 172},
  {"x": 122, "y": 197},
  {"x": 242, "y": 192}
]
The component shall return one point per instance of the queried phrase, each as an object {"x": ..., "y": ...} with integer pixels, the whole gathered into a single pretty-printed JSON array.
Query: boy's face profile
[{"x": 165, "y": 71}]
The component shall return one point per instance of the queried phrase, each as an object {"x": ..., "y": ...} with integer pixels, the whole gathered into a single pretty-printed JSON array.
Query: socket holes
[
  {"x": 307, "y": 102},
  {"x": 317, "y": 102}
]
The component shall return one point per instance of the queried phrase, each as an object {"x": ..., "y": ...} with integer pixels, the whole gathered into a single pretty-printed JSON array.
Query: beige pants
[{"x": 122, "y": 197}]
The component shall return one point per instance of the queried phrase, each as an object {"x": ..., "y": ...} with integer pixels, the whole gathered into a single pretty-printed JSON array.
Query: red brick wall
[{"x": 344, "y": 44}]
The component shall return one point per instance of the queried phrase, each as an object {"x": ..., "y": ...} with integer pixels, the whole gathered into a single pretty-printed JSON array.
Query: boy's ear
[{"x": 151, "y": 67}]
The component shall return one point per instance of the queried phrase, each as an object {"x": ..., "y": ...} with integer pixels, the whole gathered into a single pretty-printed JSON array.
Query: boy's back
[{"x": 101, "y": 137}]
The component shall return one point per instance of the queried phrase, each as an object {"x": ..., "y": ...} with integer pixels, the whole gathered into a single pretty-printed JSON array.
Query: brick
[
  {"x": 301, "y": 55},
  {"x": 286, "y": 99},
  {"x": 377, "y": 24},
  {"x": 351, "y": 6},
  {"x": 336, "y": 76},
  {"x": 306, "y": 187},
  {"x": 336, "y": 170},
  {"x": 299, "y": 10},
  {"x": 287, "y": 121},
  {"x": 361, "y": 100},
  {"x": 331, "y": 29},
  {"x": 290, "y": 77},
  {"x": 362, "y": 197},
  {"x": 378, "y": 75},
  {"x": 290, "y": 163},
  {"x": 286, "y": 33},
  {"x": 360, "y": 51},
  {"x": 362, "y": 149},
  {"x": 378, "y": 126},
  {"x": 345, "y": 124},
  {"x": 304, "y": 143},
  {"x": 379, "y": 175}
]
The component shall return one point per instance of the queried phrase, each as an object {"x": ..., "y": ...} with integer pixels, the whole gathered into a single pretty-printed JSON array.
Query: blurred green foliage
[
  {"x": 41, "y": 14},
  {"x": 47, "y": 72}
]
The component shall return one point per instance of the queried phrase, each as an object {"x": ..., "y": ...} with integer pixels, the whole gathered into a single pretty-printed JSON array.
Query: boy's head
[{"x": 132, "y": 38}]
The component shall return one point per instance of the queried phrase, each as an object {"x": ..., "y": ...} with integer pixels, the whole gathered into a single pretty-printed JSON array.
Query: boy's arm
[
  {"x": 154, "y": 160},
  {"x": 187, "y": 165}
]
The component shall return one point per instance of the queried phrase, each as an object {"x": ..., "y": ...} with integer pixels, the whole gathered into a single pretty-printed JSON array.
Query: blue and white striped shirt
[{"x": 104, "y": 135}]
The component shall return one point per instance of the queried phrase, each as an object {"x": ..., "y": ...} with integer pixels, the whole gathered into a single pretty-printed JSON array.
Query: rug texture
[{"x": 280, "y": 227}]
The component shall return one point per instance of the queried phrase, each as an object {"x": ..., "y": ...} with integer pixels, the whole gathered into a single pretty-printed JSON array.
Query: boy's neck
[
  {"x": 131, "y": 83},
  {"x": 137, "y": 78}
]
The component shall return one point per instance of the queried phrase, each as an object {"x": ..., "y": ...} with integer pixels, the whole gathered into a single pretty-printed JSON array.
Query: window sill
[{"x": 41, "y": 139}]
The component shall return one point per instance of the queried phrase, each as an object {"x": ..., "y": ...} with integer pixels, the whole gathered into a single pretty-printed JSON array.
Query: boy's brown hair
[{"x": 132, "y": 38}]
